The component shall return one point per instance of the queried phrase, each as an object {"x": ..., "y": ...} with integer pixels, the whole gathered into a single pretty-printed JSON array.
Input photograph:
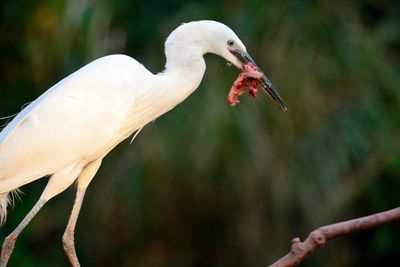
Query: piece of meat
[{"x": 249, "y": 78}]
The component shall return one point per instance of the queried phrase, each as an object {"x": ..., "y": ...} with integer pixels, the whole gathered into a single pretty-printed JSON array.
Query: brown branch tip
[{"x": 318, "y": 238}]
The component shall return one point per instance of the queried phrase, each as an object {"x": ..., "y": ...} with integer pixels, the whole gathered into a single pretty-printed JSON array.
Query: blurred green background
[{"x": 208, "y": 184}]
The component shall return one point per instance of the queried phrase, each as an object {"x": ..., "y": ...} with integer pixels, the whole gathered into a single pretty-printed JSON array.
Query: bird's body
[
  {"x": 68, "y": 130},
  {"x": 30, "y": 150}
]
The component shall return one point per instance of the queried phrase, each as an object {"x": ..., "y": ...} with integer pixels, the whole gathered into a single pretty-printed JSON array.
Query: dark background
[{"x": 208, "y": 184}]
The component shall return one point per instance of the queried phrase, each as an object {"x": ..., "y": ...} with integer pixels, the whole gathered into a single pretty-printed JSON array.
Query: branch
[{"x": 318, "y": 237}]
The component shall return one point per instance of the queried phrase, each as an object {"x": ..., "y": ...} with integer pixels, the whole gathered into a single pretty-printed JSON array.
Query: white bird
[{"x": 68, "y": 130}]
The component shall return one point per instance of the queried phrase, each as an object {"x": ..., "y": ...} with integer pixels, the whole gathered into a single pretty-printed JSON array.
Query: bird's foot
[{"x": 69, "y": 249}]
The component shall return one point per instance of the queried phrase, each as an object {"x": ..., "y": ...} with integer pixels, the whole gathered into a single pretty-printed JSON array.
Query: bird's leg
[
  {"x": 9, "y": 242},
  {"x": 57, "y": 183},
  {"x": 68, "y": 238}
]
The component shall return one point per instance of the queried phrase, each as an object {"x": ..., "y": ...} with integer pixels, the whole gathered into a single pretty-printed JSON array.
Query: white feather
[{"x": 81, "y": 118}]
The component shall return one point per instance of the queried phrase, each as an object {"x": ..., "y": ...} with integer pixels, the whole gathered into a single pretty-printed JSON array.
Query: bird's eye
[{"x": 231, "y": 42}]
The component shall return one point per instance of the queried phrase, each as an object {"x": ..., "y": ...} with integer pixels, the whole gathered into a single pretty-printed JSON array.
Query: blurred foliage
[{"x": 211, "y": 185}]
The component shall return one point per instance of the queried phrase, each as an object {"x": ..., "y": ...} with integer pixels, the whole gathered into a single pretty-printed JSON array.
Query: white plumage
[{"x": 69, "y": 129}]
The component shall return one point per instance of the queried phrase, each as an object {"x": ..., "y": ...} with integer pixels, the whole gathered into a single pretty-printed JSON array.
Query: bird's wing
[
  {"x": 13, "y": 124},
  {"x": 72, "y": 121}
]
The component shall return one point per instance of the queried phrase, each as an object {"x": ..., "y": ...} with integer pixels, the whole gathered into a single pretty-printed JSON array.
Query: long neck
[
  {"x": 183, "y": 73},
  {"x": 184, "y": 70},
  {"x": 164, "y": 91}
]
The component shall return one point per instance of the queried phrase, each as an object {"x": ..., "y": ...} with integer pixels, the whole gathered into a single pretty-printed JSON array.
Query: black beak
[{"x": 265, "y": 83}]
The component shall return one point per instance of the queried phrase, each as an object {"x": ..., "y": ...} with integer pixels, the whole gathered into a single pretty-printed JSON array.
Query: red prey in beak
[{"x": 252, "y": 77}]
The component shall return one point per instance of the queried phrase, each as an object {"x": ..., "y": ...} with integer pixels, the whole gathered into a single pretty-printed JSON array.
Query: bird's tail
[{"x": 6, "y": 199}]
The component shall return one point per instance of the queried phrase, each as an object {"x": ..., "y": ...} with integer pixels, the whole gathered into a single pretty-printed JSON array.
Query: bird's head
[
  {"x": 224, "y": 42},
  {"x": 217, "y": 38}
]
